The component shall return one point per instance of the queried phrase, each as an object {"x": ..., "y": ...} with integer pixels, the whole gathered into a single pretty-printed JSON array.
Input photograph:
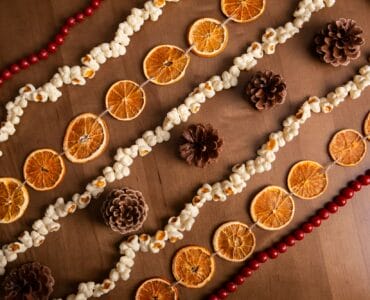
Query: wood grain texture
[{"x": 331, "y": 263}]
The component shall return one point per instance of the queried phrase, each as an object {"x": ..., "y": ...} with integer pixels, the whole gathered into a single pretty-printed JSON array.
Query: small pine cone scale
[
  {"x": 266, "y": 89},
  {"x": 201, "y": 145},
  {"x": 339, "y": 42},
  {"x": 31, "y": 281},
  {"x": 124, "y": 210}
]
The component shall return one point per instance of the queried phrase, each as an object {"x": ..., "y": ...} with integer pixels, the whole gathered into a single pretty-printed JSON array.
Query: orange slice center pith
[
  {"x": 193, "y": 266},
  {"x": 86, "y": 138},
  {"x": 234, "y": 241},
  {"x": 347, "y": 147},
  {"x": 156, "y": 289},
  {"x": 243, "y": 10},
  {"x": 208, "y": 37},
  {"x": 125, "y": 100},
  {"x": 14, "y": 200},
  {"x": 307, "y": 180},
  {"x": 272, "y": 208},
  {"x": 165, "y": 64}
]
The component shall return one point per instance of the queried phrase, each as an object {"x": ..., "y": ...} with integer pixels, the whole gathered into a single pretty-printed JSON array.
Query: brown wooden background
[{"x": 332, "y": 263}]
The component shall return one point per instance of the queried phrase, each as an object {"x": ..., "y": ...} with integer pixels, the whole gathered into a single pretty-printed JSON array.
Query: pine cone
[
  {"x": 266, "y": 89},
  {"x": 31, "y": 281},
  {"x": 339, "y": 42},
  {"x": 125, "y": 210},
  {"x": 201, "y": 146}
]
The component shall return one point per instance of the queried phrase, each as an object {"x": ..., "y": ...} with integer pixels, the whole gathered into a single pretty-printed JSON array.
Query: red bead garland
[
  {"x": 52, "y": 47},
  {"x": 297, "y": 235}
]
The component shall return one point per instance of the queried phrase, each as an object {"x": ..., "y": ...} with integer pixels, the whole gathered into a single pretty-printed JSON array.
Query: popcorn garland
[
  {"x": 218, "y": 191},
  {"x": 77, "y": 75}
]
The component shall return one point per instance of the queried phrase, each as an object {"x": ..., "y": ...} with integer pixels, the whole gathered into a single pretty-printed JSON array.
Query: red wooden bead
[
  {"x": 298, "y": 234},
  {"x": 59, "y": 39},
  {"x": 307, "y": 227},
  {"x": 254, "y": 264},
  {"x": 33, "y": 59},
  {"x": 364, "y": 179},
  {"x": 1, "y": 81},
  {"x": 239, "y": 280},
  {"x": 24, "y": 64},
  {"x": 80, "y": 17},
  {"x": 347, "y": 192},
  {"x": 222, "y": 294},
  {"x": 315, "y": 221},
  {"x": 262, "y": 257},
  {"x": 71, "y": 21},
  {"x": 340, "y": 200},
  {"x": 95, "y": 3},
  {"x": 213, "y": 297},
  {"x": 290, "y": 240},
  {"x": 323, "y": 214},
  {"x": 246, "y": 272},
  {"x": 14, "y": 68},
  {"x": 52, "y": 48},
  {"x": 6, "y": 75},
  {"x": 231, "y": 287},
  {"x": 272, "y": 253},
  {"x": 43, "y": 54},
  {"x": 281, "y": 247},
  {"x": 332, "y": 207},
  {"x": 64, "y": 30},
  {"x": 88, "y": 11},
  {"x": 355, "y": 185}
]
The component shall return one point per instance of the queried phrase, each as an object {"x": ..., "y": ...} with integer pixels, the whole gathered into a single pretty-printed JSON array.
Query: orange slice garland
[
  {"x": 125, "y": 100},
  {"x": 367, "y": 126},
  {"x": 14, "y": 200},
  {"x": 156, "y": 289},
  {"x": 44, "y": 169},
  {"x": 243, "y": 11},
  {"x": 272, "y": 208},
  {"x": 307, "y": 179},
  {"x": 208, "y": 37},
  {"x": 165, "y": 64},
  {"x": 234, "y": 241},
  {"x": 86, "y": 138},
  {"x": 193, "y": 266},
  {"x": 347, "y": 148}
]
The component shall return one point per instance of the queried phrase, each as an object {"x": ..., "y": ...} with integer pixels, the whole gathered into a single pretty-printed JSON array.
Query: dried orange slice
[
  {"x": 165, "y": 64},
  {"x": 272, "y": 208},
  {"x": 234, "y": 241},
  {"x": 14, "y": 200},
  {"x": 125, "y": 100},
  {"x": 243, "y": 11},
  {"x": 156, "y": 289},
  {"x": 347, "y": 147},
  {"x": 44, "y": 169},
  {"x": 307, "y": 179},
  {"x": 208, "y": 37},
  {"x": 86, "y": 138},
  {"x": 193, "y": 266},
  {"x": 367, "y": 126}
]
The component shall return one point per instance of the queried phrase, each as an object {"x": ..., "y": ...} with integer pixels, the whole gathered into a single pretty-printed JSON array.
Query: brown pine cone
[
  {"x": 266, "y": 89},
  {"x": 339, "y": 42},
  {"x": 125, "y": 210},
  {"x": 201, "y": 146},
  {"x": 31, "y": 281}
]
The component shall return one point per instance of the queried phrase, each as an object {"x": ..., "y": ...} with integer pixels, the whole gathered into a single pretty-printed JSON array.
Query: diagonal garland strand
[
  {"x": 77, "y": 75},
  {"x": 125, "y": 157},
  {"x": 219, "y": 191},
  {"x": 247, "y": 271}
]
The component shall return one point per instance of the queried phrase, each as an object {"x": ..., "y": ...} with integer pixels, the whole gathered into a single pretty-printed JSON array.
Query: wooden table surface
[{"x": 331, "y": 263}]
